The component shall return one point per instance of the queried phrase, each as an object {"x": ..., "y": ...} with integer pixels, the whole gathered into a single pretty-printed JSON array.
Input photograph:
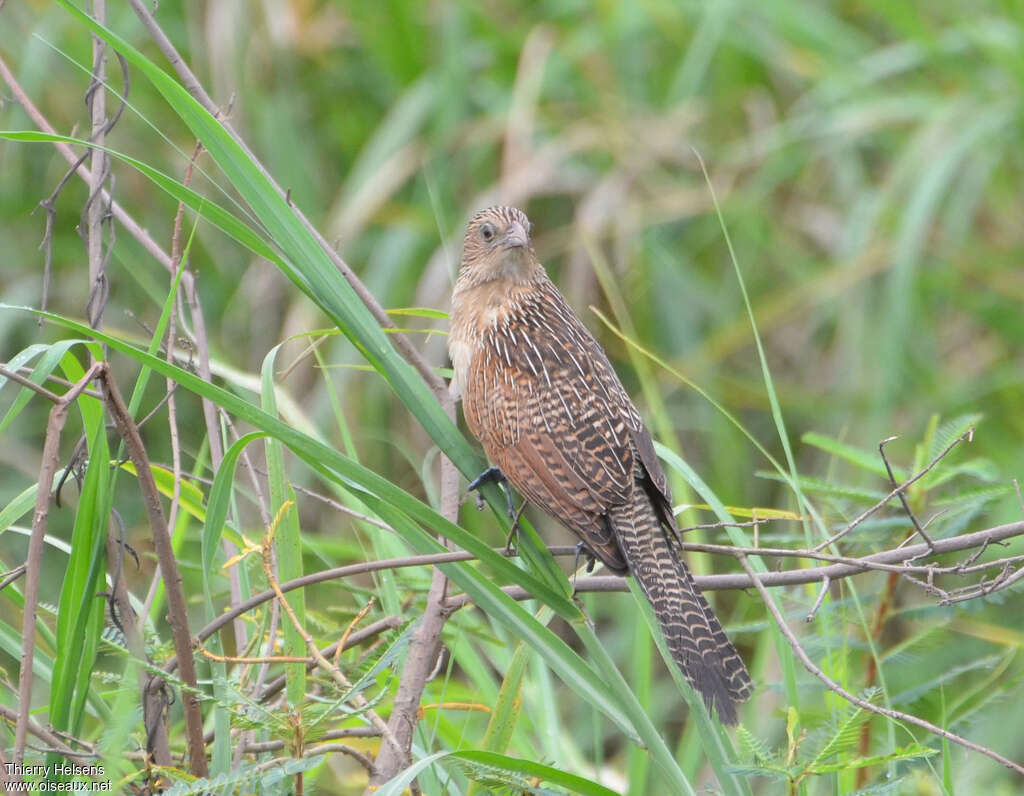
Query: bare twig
[
  {"x": 330, "y": 735},
  {"x": 899, "y": 490},
  {"x": 351, "y": 751},
  {"x": 825, "y": 583},
  {"x": 96, "y": 210},
  {"x": 12, "y": 716},
  {"x": 151, "y": 687},
  {"x": 38, "y": 388},
  {"x": 1004, "y": 580},
  {"x": 177, "y": 611},
  {"x": 66, "y": 152},
  {"x": 902, "y": 494},
  {"x": 13, "y": 575},
  {"x": 33, "y": 563},
  {"x": 340, "y": 646},
  {"x": 425, "y": 642},
  {"x": 886, "y": 560},
  {"x": 832, "y": 685}
]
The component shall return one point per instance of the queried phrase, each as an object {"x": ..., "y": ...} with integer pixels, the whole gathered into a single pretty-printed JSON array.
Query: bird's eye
[{"x": 487, "y": 231}]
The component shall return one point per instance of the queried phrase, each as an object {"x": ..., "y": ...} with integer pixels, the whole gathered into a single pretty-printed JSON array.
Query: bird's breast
[
  {"x": 479, "y": 314},
  {"x": 461, "y": 352}
]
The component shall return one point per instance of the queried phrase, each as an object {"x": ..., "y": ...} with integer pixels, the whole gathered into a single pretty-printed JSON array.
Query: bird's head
[{"x": 498, "y": 247}]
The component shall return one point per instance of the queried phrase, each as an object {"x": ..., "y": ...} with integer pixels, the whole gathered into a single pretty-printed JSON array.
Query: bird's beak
[{"x": 516, "y": 237}]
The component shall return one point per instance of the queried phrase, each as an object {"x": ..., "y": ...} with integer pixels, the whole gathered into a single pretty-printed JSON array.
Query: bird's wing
[
  {"x": 657, "y": 482},
  {"x": 553, "y": 416}
]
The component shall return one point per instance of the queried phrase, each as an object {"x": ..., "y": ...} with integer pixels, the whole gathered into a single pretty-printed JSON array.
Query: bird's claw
[
  {"x": 492, "y": 475},
  {"x": 582, "y": 549}
]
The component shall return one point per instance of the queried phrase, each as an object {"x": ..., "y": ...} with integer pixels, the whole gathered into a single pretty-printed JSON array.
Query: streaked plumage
[{"x": 539, "y": 393}]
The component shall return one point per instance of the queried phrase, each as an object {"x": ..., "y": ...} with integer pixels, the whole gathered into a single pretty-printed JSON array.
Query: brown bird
[{"x": 539, "y": 393}]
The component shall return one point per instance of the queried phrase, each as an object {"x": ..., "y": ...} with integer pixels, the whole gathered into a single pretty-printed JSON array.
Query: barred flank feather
[{"x": 545, "y": 402}]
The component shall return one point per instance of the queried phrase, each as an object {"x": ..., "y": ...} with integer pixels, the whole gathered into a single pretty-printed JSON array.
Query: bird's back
[{"x": 541, "y": 396}]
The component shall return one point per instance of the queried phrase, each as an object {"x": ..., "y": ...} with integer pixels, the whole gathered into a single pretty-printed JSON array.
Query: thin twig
[
  {"x": 340, "y": 646},
  {"x": 177, "y": 610},
  {"x": 352, "y": 752},
  {"x": 825, "y": 583},
  {"x": 120, "y": 214},
  {"x": 96, "y": 209},
  {"x": 33, "y": 562},
  {"x": 614, "y": 583},
  {"x": 902, "y": 494},
  {"x": 13, "y": 575},
  {"x": 896, "y": 491},
  {"x": 38, "y": 388},
  {"x": 832, "y": 685},
  {"x": 12, "y": 716},
  {"x": 151, "y": 686}
]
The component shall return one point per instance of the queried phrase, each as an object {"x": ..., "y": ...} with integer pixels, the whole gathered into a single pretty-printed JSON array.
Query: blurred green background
[{"x": 867, "y": 157}]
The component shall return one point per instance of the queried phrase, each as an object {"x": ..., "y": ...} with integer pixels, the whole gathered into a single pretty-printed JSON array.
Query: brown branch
[
  {"x": 885, "y": 561},
  {"x": 321, "y": 577},
  {"x": 789, "y": 577},
  {"x": 198, "y": 332},
  {"x": 12, "y": 716},
  {"x": 151, "y": 686},
  {"x": 96, "y": 99},
  {"x": 424, "y": 645},
  {"x": 123, "y": 217},
  {"x": 832, "y": 685},
  {"x": 33, "y": 562},
  {"x": 902, "y": 493},
  {"x": 351, "y": 751},
  {"x": 13, "y": 575},
  {"x": 37, "y": 388},
  {"x": 177, "y": 610},
  {"x": 339, "y": 647}
]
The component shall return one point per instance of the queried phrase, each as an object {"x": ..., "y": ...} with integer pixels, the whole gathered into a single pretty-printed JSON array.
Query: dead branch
[
  {"x": 33, "y": 562},
  {"x": 832, "y": 685},
  {"x": 176, "y": 608}
]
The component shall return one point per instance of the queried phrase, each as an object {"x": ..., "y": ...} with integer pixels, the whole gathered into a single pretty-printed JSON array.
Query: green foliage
[
  {"x": 826, "y": 749},
  {"x": 852, "y": 275}
]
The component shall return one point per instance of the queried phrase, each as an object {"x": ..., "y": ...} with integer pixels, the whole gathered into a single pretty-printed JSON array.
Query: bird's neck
[{"x": 475, "y": 307}]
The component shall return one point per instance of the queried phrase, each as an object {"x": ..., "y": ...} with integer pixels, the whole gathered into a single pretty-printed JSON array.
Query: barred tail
[{"x": 692, "y": 632}]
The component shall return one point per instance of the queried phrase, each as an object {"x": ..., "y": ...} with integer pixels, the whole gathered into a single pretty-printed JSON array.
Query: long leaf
[{"x": 396, "y": 507}]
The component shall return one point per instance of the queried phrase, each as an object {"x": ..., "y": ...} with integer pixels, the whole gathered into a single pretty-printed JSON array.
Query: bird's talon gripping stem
[
  {"x": 581, "y": 549},
  {"x": 492, "y": 475}
]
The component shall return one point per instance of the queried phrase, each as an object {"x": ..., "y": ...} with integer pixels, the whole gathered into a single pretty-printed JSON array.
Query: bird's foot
[
  {"x": 492, "y": 475},
  {"x": 582, "y": 550}
]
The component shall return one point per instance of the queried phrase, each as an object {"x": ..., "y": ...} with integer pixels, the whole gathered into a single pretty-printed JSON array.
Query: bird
[{"x": 541, "y": 396}]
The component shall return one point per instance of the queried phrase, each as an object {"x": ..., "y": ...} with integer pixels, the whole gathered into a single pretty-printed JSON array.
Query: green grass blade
[{"x": 287, "y": 542}]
